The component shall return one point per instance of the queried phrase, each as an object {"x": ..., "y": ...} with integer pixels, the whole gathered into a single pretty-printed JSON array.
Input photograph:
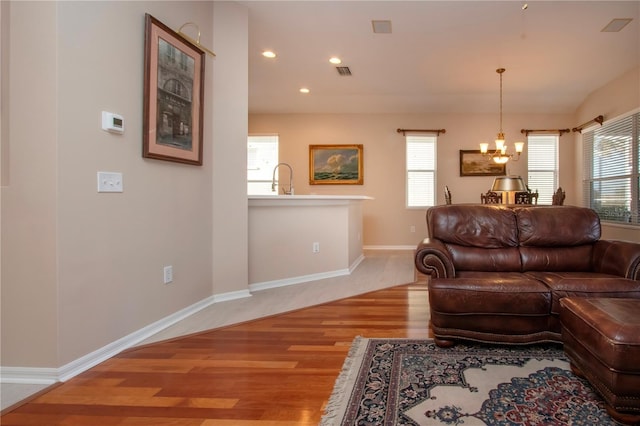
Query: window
[
  {"x": 542, "y": 152},
  {"x": 262, "y": 158},
  {"x": 611, "y": 169},
  {"x": 421, "y": 170}
]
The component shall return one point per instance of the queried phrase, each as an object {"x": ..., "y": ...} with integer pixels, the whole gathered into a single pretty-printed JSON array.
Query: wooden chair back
[
  {"x": 491, "y": 197},
  {"x": 523, "y": 197},
  {"x": 526, "y": 197},
  {"x": 558, "y": 197},
  {"x": 447, "y": 195}
]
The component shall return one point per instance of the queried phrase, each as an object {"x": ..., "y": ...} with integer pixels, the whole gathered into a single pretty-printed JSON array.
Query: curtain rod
[
  {"x": 599, "y": 119},
  {"x": 552, "y": 131},
  {"x": 405, "y": 131}
]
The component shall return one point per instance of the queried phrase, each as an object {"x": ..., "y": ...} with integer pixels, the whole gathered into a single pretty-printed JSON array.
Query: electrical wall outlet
[
  {"x": 316, "y": 247},
  {"x": 168, "y": 274},
  {"x": 412, "y": 228}
]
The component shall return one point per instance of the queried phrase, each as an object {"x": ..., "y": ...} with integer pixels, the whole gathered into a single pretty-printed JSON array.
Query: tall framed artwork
[{"x": 173, "y": 95}]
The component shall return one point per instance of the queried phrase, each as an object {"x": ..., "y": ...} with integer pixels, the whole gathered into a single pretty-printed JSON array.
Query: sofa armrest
[
  {"x": 432, "y": 258},
  {"x": 620, "y": 258}
]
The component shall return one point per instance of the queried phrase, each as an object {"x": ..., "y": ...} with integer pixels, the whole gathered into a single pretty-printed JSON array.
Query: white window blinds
[
  {"x": 421, "y": 170},
  {"x": 542, "y": 154},
  {"x": 611, "y": 169},
  {"x": 262, "y": 157}
]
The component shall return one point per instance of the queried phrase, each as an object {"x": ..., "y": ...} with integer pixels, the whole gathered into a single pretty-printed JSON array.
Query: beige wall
[
  {"x": 29, "y": 204},
  {"x": 281, "y": 238},
  {"x": 81, "y": 269},
  {"x": 229, "y": 156},
  {"x": 387, "y": 222},
  {"x": 5, "y": 7}
]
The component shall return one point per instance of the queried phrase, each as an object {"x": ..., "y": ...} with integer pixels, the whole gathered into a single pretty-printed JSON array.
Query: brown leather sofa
[{"x": 497, "y": 273}]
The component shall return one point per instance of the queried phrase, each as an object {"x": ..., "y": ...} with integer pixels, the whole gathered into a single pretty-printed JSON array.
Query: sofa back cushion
[
  {"x": 484, "y": 226},
  {"x": 557, "y": 238},
  {"x": 557, "y": 226},
  {"x": 478, "y": 237}
]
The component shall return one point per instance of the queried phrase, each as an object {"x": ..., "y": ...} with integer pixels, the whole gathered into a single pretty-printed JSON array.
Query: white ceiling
[{"x": 441, "y": 56}]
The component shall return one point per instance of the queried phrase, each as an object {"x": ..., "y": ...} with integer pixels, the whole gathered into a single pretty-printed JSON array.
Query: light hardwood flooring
[{"x": 379, "y": 270}]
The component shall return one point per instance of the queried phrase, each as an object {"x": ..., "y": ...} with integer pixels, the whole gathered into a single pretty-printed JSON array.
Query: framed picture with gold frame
[
  {"x": 473, "y": 163},
  {"x": 336, "y": 165},
  {"x": 173, "y": 95}
]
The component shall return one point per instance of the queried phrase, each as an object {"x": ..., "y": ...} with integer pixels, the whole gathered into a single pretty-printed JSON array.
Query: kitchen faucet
[{"x": 273, "y": 182}]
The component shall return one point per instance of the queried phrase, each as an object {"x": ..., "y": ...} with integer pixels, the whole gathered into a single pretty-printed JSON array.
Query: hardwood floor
[{"x": 278, "y": 370}]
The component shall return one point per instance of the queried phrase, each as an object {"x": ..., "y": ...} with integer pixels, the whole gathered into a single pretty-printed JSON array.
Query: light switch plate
[{"x": 110, "y": 182}]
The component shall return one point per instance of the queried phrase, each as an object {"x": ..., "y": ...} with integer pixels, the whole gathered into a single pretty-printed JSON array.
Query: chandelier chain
[{"x": 500, "y": 71}]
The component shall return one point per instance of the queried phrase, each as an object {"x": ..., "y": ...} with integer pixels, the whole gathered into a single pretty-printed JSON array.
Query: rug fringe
[{"x": 337, "y": 404}]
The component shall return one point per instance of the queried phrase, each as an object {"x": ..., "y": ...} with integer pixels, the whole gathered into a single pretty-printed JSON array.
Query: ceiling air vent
[
  {"x": 616, "y": 25},
  {"x": 381, "y": 27},
  {"x": 344, "y": 71}
]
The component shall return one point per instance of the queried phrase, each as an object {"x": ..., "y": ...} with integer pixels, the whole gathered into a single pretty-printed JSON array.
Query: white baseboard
[
  {"x": 28, "y": 375},
  {"x": 374, "y": 247},
  {"x": 265, "y": 285},
  {"x": 355, "y": 263}
]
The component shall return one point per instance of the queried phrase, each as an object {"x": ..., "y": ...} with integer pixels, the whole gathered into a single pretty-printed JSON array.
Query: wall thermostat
[{"x": 112, "y": 122}]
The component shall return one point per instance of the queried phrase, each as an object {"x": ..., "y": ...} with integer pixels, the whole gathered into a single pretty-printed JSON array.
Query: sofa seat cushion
[
  {"x": 492, "y": 293},
  {"x": 585, "y": 284},
  {"x": 509, "y": 308}
]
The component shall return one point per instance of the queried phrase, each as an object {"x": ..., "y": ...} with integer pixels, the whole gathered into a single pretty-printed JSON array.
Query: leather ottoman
[{"x": 601, "y": 337}]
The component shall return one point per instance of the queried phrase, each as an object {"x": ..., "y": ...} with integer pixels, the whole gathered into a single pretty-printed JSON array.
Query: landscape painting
[{"x": 473, "y": 163}]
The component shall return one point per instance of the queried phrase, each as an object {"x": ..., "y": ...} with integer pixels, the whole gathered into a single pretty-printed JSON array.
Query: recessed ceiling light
[
  {"x": 335, "y": 60},
  {"x": 616, "y": 25},
  {"x": 304, "y": 90},
  {"x": 268, "y": 54}
]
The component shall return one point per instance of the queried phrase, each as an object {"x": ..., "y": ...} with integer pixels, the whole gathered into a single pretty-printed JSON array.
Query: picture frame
[
  {"x": 173, "y": 95},
  {"x": 473, "y": 163},
  {"x": 336, "y": 165}
]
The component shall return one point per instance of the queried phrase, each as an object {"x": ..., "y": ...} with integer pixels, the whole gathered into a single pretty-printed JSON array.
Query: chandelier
[{"x": 500, "y": 155}]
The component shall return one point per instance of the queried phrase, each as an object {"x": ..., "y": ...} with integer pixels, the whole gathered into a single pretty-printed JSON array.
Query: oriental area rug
[{"x": 414, "y": 382}]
